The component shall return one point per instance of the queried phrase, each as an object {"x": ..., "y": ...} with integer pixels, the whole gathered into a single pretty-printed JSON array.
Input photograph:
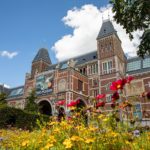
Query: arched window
[
  {"x": 80, "y": 70},
  {"x": 84, "y": 71}
]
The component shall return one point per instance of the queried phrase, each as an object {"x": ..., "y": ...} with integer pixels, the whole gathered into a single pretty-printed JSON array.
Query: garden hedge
[{"x": 19, "y": 118}]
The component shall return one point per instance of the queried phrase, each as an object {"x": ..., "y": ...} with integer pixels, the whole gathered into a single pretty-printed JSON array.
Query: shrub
[{"x": 19, "y": 118}]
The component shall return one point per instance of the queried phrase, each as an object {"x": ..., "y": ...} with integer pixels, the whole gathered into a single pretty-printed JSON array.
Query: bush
[{"x": 19, "y": 118}]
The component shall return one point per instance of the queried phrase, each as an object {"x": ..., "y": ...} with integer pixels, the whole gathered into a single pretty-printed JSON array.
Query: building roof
[
  {"x": 107, "y": 29},
  {"x": 137, "y": 65},
  {"x": 16, "y": 92},
  {"x": 42, "y": 55},
  {"x": 79, "y": 60},
  {"x": 86, "y": 58}
]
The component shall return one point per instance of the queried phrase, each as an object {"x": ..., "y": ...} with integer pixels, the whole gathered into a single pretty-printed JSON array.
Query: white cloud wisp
[{"x": 7, "y": 54}]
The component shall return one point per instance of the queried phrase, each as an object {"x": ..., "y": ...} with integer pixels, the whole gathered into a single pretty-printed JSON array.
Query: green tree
[
  {"x": 3, "y": 97},
  {"x": 31, "y": 105},
  {"x": 134, "y": 15}
]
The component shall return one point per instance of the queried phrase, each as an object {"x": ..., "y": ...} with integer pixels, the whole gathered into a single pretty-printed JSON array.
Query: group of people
[{"x": 84, "y": 113}]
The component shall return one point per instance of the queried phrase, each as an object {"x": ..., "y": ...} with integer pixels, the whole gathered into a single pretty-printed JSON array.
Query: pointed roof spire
[
  {"x": 42, "y": 55},
  {"x": 107, "y": 29}
]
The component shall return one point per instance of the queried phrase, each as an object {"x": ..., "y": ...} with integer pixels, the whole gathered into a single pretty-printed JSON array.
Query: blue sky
[{"x": 26, "y": 26}]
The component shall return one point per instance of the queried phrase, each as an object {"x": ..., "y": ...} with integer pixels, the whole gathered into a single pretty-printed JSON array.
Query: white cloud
[
  {"x": 8, "y": 54},
  {"x": 86, "y": 22}
]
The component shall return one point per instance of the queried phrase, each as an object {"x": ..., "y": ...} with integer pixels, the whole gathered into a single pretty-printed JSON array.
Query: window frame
[
  {"x": 108, "y": 70},
  {"x": 80, "y": 85},
  {"x": 109, "y": 96}
]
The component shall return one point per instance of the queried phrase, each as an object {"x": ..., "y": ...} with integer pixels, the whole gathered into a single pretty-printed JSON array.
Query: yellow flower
[
  {"x": 52, "y": 139},
  {"x": 92, "y": 128},
  {"x": 63, "y": 123},
  {"x": 101, "y": 116},
  {"x": 127, "y": 142},
  {"x": 52, "y": 123},
  {"x": 39, "y": 141},
  {"x": 67, "y": 143},
  {"x": 49, "y": 145},
  {"x": 56, "y": 130},
  {"x": 76, "y": 138},
  {"x": 89, "y": 140},
  {"x": 105, "y": 119},
  {"x": 114, "y": 134},
  {"x": 25, "y": 143}
]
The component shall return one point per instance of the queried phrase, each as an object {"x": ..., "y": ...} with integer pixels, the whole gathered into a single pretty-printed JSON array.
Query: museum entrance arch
[{"x": 45, "y": 107}]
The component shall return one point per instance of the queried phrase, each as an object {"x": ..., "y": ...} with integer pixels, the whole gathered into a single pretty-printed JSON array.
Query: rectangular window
[
  {"x": 95, "y": 82},
  {"x": 102, "y": 48},
  {"x": 146, "y": 63},
  {"x": 93, "y": 69},
  {"x": 108, "y": 98},
  {"x": 109, "y": 46},
  {"x": 89, "y": 68},
  {"x": 135, "y": 65},
  {"x": 80, "y": 85},
  {"x": 96, "y": 68},
  {"x": 95, "y": 92},
  {"x": 107, "y": 67},
  {"x": 108, "y": 86},
  {"x": 110, "y": 65},
  {"x": 84, "y": 71}
]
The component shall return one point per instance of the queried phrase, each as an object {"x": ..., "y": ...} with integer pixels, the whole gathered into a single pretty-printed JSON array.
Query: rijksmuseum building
[{"x": 83, "y": 77}]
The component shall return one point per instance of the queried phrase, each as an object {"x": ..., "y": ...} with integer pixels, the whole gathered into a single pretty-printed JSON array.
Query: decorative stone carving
[{"x": 71, "y": 63}]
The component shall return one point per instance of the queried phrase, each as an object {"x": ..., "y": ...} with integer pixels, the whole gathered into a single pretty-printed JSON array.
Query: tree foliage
[
  {"x": 31, "y": 105},
  {"x": 3, "y": 97},
  {"x": 134, "y": 15}
]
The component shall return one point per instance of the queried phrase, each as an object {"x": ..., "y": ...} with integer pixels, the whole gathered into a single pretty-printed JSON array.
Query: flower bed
[{"x": 103, "y": 133}]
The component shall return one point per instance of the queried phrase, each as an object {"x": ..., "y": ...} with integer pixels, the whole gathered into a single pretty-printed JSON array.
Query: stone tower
[
  {"x": 41, "y": 62},
  {"x": 111, "y": 58}
]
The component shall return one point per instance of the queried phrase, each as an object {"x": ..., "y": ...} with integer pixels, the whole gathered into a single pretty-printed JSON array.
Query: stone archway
[{"x": 45, "y": 107}]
